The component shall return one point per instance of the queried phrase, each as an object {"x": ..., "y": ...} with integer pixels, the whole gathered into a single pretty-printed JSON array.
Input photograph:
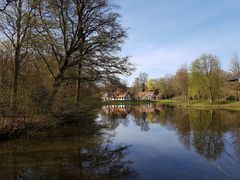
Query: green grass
[
  {"x": 167, "y": 101},
  {"x": 208, "y": 103},
  {"x": 231, "y": 105}
]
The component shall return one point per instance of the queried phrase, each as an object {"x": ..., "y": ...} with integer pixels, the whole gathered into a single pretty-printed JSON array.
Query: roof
[
  {"x": 120, "y": 93},
  {"x": 144, "y": 94},
  {"x": 233, "y": 79}
]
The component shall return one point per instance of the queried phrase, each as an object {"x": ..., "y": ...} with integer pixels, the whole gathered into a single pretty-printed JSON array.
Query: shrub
[
  {"x": 231, "y": 98},
  {"x": 40, "y": 99}
]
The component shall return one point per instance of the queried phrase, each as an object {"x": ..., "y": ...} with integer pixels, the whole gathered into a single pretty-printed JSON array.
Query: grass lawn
[
  {"x": 232, "y": 105},
  {"x": 167, "y": 101}
]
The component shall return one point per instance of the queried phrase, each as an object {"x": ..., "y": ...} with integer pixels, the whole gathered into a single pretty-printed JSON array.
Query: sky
[{"x": 165, "y": 34}]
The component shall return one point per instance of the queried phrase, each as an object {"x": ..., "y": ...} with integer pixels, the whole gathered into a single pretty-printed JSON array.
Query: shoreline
[{"x": 204, "y": 104}]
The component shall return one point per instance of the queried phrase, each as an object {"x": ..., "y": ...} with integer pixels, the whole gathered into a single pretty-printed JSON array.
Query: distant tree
[
  {"x": 235, "y": 65},
  {"x": 160, "y": 85},
  {"x": 169, "y": 80},
  {"x": 137, "y": 84},
  {"x": 143, "y": 77},
  {"x": 165, "y": 86},
  {"x": 235, "y": 72},
  {"x": 136, "y": 87},
  {"x": 113, "y": 83},
  {"x": 156, "y": 92},
  {"x": 181, "y": 81},
  {"x": 150, "y": 85},
  {"x": 206, "y": 74}
]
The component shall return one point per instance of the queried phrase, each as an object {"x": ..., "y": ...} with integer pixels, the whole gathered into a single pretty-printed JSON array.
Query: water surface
[{"x": 136, "y": 142}]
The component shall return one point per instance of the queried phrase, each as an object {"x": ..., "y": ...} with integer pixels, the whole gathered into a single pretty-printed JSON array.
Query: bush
[
  {"x": 232, "y": 98},
  {"x": 40, "y": 99}
]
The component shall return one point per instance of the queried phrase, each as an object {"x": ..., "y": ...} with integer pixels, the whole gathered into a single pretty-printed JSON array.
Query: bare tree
[
  {"x": 235, "y": 71},
  {"x": 6, "y": 52},
  {"x": 4, "y": 4},
  {"x": 235, "y": 65},
  {"x": 168, "y": 80},
  {"x": 15, "y": 25},
  {"x": 83, "y": 38},
  {"x": 143, "y": 77}
]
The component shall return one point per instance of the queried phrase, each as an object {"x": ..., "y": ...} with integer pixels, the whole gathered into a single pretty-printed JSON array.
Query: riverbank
[
  {"x": 229, "y": 105},
  {"x": 203, "y": 104},
  {"x": 12, "y": 127}
]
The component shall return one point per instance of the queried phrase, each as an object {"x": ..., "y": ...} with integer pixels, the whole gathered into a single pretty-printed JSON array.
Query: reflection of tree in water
[
  {"x": 209, "y": 144},
  {"x": 144, "y": 124},
  {"x": 208, "y": 135},
  {"x": 203, "y": 130},
  {"x": 76, "y": 153},
  {"x": 236, "y": 142},
  {"x": 236, "y": 136},
  {"x": 183, "y": 127}
]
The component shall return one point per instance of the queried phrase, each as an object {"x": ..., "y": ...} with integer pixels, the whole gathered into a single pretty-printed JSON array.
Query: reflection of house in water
[
  {"x": 120, "y": 111},
  {"x": 143, "y": 114},
  {"x": 117, "y": 114},
  {"x": 149, "y": 108},
  {"x": 123, "y": 110}
]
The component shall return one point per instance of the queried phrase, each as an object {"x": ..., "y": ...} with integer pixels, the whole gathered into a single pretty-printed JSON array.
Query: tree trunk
[
  {"x": 15, "y": 83},
  {"x": 56, "y": 85},
  {"x": 143, "y": 87},
  {"x": 16, "y": 63},
  {"x": 2, "y": 80},
  {"x": 238, "y": 91},
  {"x": 78, "y": 87},
  {"x": 211, "y": 97}
]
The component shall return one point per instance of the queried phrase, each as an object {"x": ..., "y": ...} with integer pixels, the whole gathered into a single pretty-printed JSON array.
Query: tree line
[
  {"x": 50, "y": 49},
  {"x": 204, "y": 79}
]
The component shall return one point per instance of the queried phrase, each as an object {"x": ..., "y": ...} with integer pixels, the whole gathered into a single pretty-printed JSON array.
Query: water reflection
[
  {"x": 143, "y": 142},
  {"x": 78, "y": 151},
  {"x": 204, "y": 130}
]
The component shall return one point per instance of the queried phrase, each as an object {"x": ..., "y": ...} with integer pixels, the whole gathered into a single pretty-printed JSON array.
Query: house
[
  {"x": 119, "y": 95},
  {"x": 126, "y": 95},
  {"x": 145, "y": 96},
  {"x": 234, "y": 79}
]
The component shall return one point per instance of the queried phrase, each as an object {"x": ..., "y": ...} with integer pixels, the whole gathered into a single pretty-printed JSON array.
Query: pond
[{"x": 130, "y": 142}]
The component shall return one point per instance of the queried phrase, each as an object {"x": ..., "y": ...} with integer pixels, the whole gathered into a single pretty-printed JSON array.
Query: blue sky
[{"x": 164, "y": 34}]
